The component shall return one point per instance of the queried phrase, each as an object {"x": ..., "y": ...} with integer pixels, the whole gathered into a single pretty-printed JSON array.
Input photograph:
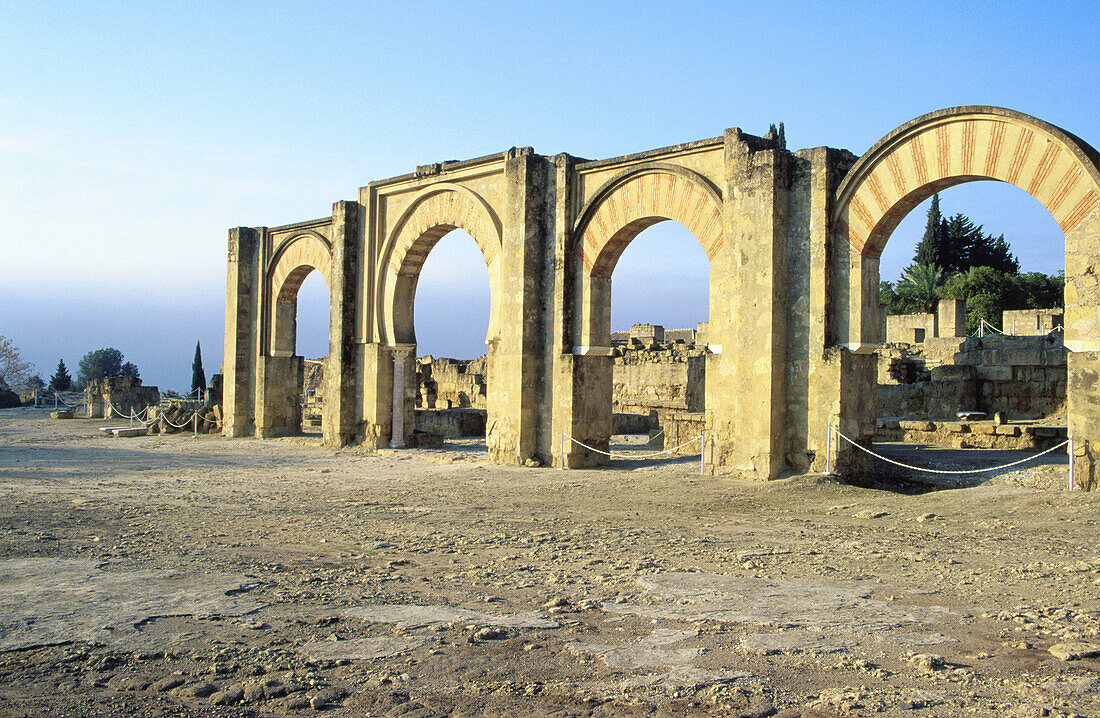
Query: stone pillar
[
  {"x": 375, "y": 377},
  {"x": 951, "y": 318},
  {"x": 580, "y": 376},
  {"x": 516, "y": 361},
  {"x": 746, "y": 376},
  {"x": 1082, "y": 337},
  {"x": 830, "y": 384},
  {"x": 401, "y": 423},
  {"x": 279, "y": 406},
  {"x": 340, "y": 411},
  {"x": 242, "y": 332}
]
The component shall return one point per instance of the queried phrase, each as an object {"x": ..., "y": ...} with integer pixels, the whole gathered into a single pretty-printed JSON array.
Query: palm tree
[{"x": 919, "y": 286}]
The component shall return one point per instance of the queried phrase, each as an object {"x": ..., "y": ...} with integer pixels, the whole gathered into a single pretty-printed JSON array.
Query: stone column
[
  {"x": 340, "y": 410},
  {"x": 746, "y": 375},
  {"x": 1082, "y": 337},
  {"x": 516, "y": 379},
  {"x": 242, "y": 332},
  {"x": 398, "y": 425}
]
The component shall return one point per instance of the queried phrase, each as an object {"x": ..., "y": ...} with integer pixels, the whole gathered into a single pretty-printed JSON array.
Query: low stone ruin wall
[
  {"x": 450, "y": 383},
  {"x": 970, "y": 435},
  {"x": 1022, "y": 377},
  {"x": 666, "y": 378},
  {"x": 633, "y": 423},
  {"x": 118, "y": 396},
  {"x": 683, "y": 427},
  {"x": 451, "y": 422}
]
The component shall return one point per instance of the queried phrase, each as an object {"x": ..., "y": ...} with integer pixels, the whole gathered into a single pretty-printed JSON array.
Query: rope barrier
[
  {"x": 174, "y": 424},
  {"x": 633, "y": 456},
  {"x": 943, "y": 471}
]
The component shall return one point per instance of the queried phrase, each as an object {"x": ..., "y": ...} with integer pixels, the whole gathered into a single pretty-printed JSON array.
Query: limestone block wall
[
  {"x": 1032, "y": 321},
  {"x": 671, "y": 378},
  {"x": 115, "y": 396},
  {"x": 451, "y": 383},
  {"x": 1022, "y": 377}
]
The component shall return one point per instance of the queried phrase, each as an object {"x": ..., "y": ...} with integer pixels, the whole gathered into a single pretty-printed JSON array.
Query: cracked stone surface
[
  {"x": 411, "y": 616},
  {"x": 837, "y": 606},
  {"x": 47, "y": 601}
]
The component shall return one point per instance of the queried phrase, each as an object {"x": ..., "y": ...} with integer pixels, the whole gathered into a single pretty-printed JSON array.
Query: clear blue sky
[{"x": 132, "y": 135}]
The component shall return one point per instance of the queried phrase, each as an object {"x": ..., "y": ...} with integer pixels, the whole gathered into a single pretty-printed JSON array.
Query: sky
[{"x": 133, "y": 135}]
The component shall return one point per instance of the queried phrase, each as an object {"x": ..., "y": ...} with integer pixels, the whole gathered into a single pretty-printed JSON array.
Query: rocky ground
[{"x": 167, "y": 576}]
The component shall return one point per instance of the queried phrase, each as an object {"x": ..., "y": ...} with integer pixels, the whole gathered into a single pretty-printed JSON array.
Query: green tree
[
  {"x": 98, "y": 364},
  {"x": 198, "y": 376},
  {"x": 989, "y": 251},
  {"x": 35, "y": 383},
  {"x": 918, "y": 289},
  {"x": 61, "y": 381},
  {"x": 930, "y": 249},
  {"x": 987, "y": 293}
]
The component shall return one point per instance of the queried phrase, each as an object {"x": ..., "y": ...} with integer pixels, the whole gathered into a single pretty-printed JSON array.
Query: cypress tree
[
  {"x": 198, "y": 376},
  {"x": 931, "y": 250},
  {"x": 61, "y": 381}
]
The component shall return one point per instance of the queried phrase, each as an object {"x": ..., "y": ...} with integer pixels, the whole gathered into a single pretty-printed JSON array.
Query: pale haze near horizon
[{"x": 133, "y": 136}]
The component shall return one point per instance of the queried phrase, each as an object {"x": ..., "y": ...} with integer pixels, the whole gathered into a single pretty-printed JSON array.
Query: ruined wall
[
  {"x": 665, "y": 378},
  {"x": 450, "y": 383},
  {"x": 116, "y": 396},
  {"x": 1032, "y": 321},
  {"x": 1022, "y": 377}
]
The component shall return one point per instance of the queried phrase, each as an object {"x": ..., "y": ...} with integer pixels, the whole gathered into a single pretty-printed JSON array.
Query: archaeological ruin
[{"x": 793, "y": 239}]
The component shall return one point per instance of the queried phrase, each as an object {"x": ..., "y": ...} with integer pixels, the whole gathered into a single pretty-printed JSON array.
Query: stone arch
[
  {"x": 290, "y": 265},
  {"x": 627, "y": 204},
  {"x": 950, "y": 147},
  {"x": 640, "y": 198},
  {"x": 439, "y": 210}
]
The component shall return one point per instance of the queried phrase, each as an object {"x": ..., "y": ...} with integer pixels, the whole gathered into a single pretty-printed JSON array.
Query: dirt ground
[{"x": 168, "y": 576}]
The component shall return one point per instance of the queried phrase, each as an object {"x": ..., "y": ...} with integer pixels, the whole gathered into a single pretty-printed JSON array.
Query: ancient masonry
[{"x": 793, "y": 239}]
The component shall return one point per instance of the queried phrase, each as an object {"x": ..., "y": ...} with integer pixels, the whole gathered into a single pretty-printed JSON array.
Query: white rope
[
  {"x": 634, "y": 456},
  {"x": 184, "y": 425},
  {"x": 137, "y": 416},
  {"x": 942, "y": 471},
  {"x": 66, "y": 404}
]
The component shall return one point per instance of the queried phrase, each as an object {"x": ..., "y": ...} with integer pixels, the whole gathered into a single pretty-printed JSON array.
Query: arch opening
[
  {"x": 312, "y": 345},
  {"x": 942, "y": 150},
  {"x": 447, "y": 287},
  {"x": 657, "y": 277}
]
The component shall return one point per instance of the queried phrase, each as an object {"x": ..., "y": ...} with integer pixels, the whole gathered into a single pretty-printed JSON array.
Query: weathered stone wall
[
  {"x": 451, "y": 422},
  {"x": 1032, "y": 321},
  {"x": 682, "y": 428},
  {"x": 116, "y": 396},
  {"x": 451, "y": 383},
  {"x": 665, "y": 378},
  {"x": 949, "y": 320},
  {"x": 1022, "y": 377}
]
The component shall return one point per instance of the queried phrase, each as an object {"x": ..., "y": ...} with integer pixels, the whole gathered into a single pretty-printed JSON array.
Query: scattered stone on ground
[{"x": 164, "y": 575}]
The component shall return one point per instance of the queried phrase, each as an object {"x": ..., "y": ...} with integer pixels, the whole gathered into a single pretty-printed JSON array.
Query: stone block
[
  {"x": 953, "y": 372},
  {"x": 917, "y": 425},
  {"x": 1007, "y": 430},
  {"x": 994, "y": 373}
]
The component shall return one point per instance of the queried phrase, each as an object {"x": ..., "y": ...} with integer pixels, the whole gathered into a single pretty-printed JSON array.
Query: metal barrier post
[
  {"x": 195, "y": 423},
  {"x": 829, "y": 451},
  {"x": 703, "y": 454},
  {"x": 55, "y": 399},
  {"x": 1071, "y": 462}
]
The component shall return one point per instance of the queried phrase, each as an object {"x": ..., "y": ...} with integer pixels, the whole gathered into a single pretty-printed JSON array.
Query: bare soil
[{"x": 168, "y": 576}]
